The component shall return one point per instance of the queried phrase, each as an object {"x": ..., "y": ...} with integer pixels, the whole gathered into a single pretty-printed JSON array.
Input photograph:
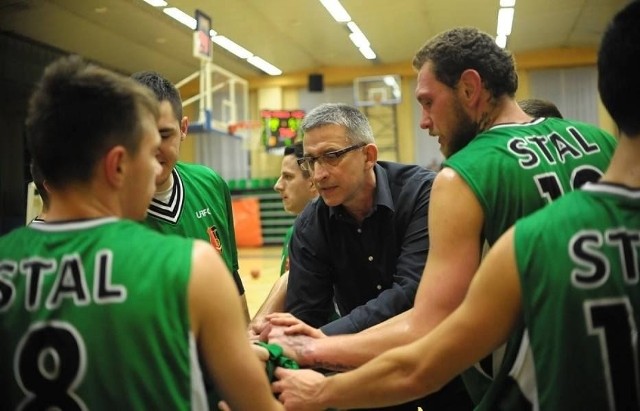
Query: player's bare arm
[
  {"x": 216, "y": 321},
  {"x": 245, "y": 308},
  {"x": 273, "y": 303},
  {"x": 483, "y": 322}
]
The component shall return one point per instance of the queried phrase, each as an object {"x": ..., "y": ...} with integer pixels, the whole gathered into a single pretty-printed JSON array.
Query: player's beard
[{"x": 465, "y": 131}]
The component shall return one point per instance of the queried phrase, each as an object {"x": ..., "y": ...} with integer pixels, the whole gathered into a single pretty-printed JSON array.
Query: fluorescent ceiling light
[
  {"x": 233, "y": 47},
  {"x": 505, "y": 20},
  {"x": 359, "y": 40},
  {"x": 507, "y": 3},
  {"x": 367, "y": 53},
  {"x": 354, "y": 27},
  {"x": 501, "y": 40},
  {"x": 156, "y": 3},
  {"x": 222, "y": 41},
  {"x": 336, "y": 10},
  {"x": 181, "y": 16},
  {"x": 264, "y": 66}
]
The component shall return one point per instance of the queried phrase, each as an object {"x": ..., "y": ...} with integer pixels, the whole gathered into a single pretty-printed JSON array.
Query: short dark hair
[
  {"x": 536, "y": 107},
  {"x": 618, "y": 80},
  {"x": 163, "y": 89},
  {"x": 38, "y": 180},
  {"x": 296, "y": 149},
  {"x": 454, "y": 51},
  {"x": 77, "y": 113}
]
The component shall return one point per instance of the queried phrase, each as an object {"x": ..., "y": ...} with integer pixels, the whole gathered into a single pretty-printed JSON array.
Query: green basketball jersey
[
  {"x": 579, "y": 262},
  {"x": 199, "y": 207},
  {"x": 284, "y": 260},
  {"x": 94, "y": 315},
  {"x": 514, "y": 170}
]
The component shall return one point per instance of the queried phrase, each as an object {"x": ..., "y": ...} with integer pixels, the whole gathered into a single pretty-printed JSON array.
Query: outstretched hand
[
  {"x": 295, "y": 347},
  {"x": 298, "y": 389},
  {"x": 293, "y": 325}
]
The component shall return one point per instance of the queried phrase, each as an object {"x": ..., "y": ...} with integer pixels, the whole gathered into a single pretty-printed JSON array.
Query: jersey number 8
[{"x": 49, "y": 364}]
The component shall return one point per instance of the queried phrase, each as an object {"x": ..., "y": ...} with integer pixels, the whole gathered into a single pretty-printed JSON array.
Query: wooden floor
[{"x": 265, "y": 259}]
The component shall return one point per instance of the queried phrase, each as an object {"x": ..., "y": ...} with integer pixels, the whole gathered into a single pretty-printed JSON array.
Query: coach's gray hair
[{"x": 357, "y": 125}]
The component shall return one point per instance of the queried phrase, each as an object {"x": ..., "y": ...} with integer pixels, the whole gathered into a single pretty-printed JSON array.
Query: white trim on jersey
[
  {"x": 55, "y": 226},
  {"x": 523, "y": 372},
  {"x": 198, "y": 392},
  {"x": 532, "y": 122},
  {"x": 615, "y": 189},
  {"x": 169, "y": 211}
]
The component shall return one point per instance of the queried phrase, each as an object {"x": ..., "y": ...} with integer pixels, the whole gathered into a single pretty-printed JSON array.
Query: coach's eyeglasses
[{"x": 332, "y": 158}]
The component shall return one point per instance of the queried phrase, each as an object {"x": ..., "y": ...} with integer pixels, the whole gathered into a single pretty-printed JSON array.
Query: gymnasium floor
[{"x": 265, "y": 259}]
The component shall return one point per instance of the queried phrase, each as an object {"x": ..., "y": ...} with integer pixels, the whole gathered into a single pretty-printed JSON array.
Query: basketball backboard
[{"x": 377, "y": 90}]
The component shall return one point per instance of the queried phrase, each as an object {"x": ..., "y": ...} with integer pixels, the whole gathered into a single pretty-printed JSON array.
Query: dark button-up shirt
[{"x": 372, "y": 270}]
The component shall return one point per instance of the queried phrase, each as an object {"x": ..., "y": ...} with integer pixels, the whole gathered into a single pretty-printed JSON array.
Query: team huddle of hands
[{"x": 294, "y": 388}]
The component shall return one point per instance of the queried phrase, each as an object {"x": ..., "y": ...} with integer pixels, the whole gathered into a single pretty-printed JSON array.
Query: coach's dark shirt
[{"x": 373, "y": 269}]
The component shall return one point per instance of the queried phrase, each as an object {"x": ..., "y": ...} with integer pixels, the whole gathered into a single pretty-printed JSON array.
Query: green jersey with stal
[
  {"x": 579, "y": 262},
  {"x": 94, "y": 315},
  {"x": 514, "y": 170}
]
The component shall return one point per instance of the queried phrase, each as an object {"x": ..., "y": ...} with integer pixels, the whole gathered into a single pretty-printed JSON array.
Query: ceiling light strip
[
  {"x": 505, "y": 20},
  {"x": 354, "y": 28},
  {"x": 506, "y": 13},
  {"x": 367, "y": 52},
  {"x": 264, "y": 66},
  {"x": 181, "y": 16},
  {"x": 156, "y": 3},
  {"x": 337, "y": 11},
  {"x": 221, "y": 41},
  {"x": 359, "y": 40},
  {"x": 356, "y": 36},
  {"x": 232, "y": 47}
]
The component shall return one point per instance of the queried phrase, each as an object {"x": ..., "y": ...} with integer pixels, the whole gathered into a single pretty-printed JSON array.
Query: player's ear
[
  {"x": 115, "y": 163},
  {"x": 470, "y": 85},
  {"x": 184, "y": 127}
]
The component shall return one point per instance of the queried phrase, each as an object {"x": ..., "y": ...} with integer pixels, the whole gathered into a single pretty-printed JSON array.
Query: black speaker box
[{"x": 316, "y": 83}]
